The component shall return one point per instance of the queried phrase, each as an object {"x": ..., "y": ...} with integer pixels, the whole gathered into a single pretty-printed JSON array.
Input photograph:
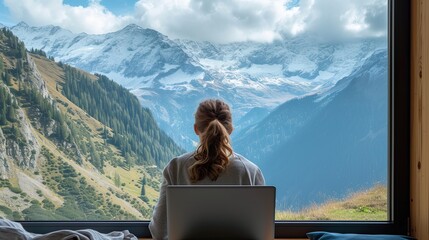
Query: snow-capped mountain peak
[{"x": 172, "y": 76}]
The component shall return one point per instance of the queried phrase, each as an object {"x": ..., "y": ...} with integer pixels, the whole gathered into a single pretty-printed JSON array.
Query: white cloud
[
  {"x": 214, "y": 20},
  {"x": 93, "y": 19},
  {"x": 217, "y": 20},
  {"x": 340, "y": 19}
]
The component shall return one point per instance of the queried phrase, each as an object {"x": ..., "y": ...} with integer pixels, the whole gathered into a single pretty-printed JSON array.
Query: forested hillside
[
  {"x": 135, "y": 132},
  {"x": 73, "y": 146}
]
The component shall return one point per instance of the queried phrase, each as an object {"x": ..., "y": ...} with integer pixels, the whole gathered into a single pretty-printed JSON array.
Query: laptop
[{"x": 220, "y": 212}]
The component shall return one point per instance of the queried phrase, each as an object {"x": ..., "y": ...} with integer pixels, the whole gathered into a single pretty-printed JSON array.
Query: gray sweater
[{"x": 239, "y": 171}]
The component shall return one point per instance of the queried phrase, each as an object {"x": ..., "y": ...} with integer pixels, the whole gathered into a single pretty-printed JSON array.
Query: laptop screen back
[{"x": 220, "y": 212}]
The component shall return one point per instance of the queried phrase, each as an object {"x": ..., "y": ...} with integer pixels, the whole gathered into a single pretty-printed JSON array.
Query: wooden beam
[{"x": 420, "y": 119}]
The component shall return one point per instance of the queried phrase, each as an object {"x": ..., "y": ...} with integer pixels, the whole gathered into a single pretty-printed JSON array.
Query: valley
[
  {"x": 57, "y": 161},
  {"x": 301, "y": 107}
]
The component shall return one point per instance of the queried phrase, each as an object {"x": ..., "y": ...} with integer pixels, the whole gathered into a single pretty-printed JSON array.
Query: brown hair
[{"x": 214, "y": 122}]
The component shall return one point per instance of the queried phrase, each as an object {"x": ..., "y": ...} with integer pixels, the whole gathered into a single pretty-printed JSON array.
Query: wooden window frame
[{"x": 399, "y": 152}]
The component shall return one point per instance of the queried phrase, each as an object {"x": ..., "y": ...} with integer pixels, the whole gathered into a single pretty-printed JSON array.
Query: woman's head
[
  {"x": 213, "y": 124},
  {"x": 211, "y": 110}
]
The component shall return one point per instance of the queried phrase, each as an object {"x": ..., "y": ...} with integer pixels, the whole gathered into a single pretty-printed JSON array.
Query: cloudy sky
[{"x": 212, "y": 20}]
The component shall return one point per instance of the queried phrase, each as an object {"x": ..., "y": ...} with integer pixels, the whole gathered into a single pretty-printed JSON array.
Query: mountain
[
  {"x": 171, "y": 77},
  {"x": 255, "y": 115},
  {"x": 292, "y": 100},
  {"x": 73, "y": 146},
  {"x": 324, "y": 146},
  {"x": 131, "y": 52}
]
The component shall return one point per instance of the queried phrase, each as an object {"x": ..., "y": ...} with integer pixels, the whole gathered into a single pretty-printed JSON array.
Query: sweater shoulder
[
  {"x": 178, "y": 161},
  {"x": 249, "y": 164}
]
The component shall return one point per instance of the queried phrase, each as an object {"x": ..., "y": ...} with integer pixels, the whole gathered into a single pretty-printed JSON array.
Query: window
[{"x": 90, "y": 156}]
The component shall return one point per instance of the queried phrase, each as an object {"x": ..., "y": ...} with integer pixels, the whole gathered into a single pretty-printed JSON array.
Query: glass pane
[{"x": 306, "y": 80}]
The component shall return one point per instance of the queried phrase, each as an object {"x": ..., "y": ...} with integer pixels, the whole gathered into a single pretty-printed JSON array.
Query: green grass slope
[{"x": 369, "y": 205}]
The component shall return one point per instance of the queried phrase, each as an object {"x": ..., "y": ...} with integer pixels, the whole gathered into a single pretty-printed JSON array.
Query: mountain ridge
[
  {"x": 49, "y": 147},
  {"x": 165, "y": 72},
  {"x": 354, "y": 119},
  {"x": 286, "y": 94}
]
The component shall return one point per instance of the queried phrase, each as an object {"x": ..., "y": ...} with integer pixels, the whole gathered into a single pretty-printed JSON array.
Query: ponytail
[{"x": 212, "y": 155}]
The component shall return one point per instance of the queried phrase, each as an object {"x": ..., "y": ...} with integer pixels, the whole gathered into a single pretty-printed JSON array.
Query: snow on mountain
[
  {"x": 131, "y": 52},
  {"x": 338, "y": 137},
  {"x": 46, "y": 37},
  {"x": 172, "y": 76}
]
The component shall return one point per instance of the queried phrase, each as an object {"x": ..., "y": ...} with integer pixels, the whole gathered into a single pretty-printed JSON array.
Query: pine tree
[
  {"x": 105, "y": 135},
  {"x": 2, "y": 107},
  {"x": 117, "y": 180},
  {"x": 128, "y": 161},
  {"x": 7, "y": 79},
  {"x": 22, "y": 51},
  {"x": 11, "y": 114},
  {"x": 95, "y": 157},
  {"x": 1, "y": 67},
  {"x": 143, "y": 190},
  {"x": 18, "y": 69}
]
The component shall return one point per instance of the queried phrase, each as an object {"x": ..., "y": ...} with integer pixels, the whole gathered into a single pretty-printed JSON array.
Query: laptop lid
[{"x": 220, "y": 212}]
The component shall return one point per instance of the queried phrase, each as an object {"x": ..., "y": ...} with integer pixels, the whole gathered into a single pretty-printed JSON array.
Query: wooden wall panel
[{"x": 420, "y": 119}]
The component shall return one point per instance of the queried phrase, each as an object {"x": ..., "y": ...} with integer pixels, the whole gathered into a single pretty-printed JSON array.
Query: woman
[{"x": 213, "y": 163}]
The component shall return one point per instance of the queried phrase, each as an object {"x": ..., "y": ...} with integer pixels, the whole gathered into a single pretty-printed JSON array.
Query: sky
[{"x": 220, "y": 21}]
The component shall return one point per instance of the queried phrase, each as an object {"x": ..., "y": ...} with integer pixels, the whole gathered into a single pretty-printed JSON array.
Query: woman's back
[
  {"x": 239, "y": 171},
  {"x": 213, "y": 163}
]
